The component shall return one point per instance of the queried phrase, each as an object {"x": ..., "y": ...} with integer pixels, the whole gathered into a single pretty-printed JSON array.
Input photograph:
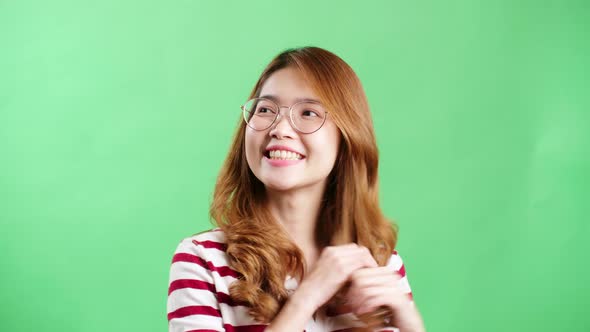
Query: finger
[
  {"x": 368, "y": 257},
  {"x": 371, "y": 303},
  {"x": 377, "y": 271},
  {"x": 380, "y": 280},
  {"x": 371, "y": 298},
  {"x": 383, "y": 286},
  {"x": 374, "y": 276},
  {"x": 341, "y": 250},
  {"x": 342, "y": 260},
  {"x": 363, "y": 256},
  {"x": 354, "y": 255},
  {"x": 345, "y": 259},
  {"x": 351, "y": 245}
]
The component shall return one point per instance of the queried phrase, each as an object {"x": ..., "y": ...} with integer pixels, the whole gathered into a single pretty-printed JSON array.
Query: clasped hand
[{"x": 371, "y": 286}]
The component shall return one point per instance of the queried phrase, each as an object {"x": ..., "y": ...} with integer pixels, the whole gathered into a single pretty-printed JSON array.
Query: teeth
[{"x": 285, "y": 155}]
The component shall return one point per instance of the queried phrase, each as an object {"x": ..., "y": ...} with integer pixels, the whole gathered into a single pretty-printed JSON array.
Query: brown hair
[{"x": 257, "y": 247}]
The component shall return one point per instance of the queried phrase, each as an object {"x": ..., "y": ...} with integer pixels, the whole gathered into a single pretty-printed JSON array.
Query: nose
[{"x": 282, "y": 127}]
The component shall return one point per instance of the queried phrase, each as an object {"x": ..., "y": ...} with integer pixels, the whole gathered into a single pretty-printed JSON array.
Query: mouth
[{"x": 279, "y": 154}]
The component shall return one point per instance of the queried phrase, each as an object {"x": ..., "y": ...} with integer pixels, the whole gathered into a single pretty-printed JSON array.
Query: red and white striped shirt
[{"x": 198, "y": 299}]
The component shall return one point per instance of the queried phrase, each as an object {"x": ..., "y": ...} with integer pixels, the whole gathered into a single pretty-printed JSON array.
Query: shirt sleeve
[
  {"x": 397, "y": 263},
  {"x": 192, "y": 301}
]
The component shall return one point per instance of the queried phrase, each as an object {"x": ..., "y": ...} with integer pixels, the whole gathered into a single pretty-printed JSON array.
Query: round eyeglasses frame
[{"x": 291, "y": 122}]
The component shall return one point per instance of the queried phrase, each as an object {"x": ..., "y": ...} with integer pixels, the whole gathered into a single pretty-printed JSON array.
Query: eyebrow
[{"x": 297, "y": 100}]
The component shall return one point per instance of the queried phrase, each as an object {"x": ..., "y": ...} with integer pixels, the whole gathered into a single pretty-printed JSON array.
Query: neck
[{"x": 297, "y": 211}]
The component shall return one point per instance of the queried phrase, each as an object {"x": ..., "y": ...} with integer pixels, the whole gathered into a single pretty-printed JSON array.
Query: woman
[{"x": 301, "y": 242}]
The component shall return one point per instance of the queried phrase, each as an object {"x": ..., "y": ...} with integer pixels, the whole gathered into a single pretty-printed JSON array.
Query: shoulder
[
  {"x": 210, "y": 239},
  {"x": 209, "y": 246},
  {"x": 202, "y": 256}
]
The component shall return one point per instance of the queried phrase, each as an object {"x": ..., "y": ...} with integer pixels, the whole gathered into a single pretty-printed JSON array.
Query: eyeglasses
[{"x": 306, "y": 116}]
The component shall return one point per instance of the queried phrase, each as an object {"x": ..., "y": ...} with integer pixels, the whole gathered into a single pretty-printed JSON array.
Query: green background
[{"x": 115, "y": 117}]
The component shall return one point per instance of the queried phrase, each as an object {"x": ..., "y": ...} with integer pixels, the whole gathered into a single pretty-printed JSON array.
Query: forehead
[{"x": 287, "y": 86}]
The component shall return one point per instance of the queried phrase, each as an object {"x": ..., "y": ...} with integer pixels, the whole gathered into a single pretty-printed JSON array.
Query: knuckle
[
  {"x": 342, "y": 270},
  {"x": 340, "y": 264},
  {"x": 328, "y": 252},
  {"x": 356, "y": 278}
]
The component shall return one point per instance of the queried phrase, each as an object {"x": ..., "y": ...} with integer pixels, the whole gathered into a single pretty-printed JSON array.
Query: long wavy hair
[{"x": 257, "y": 246}]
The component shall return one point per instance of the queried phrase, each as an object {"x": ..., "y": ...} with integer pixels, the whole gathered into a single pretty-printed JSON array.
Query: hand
[
  {"x": 332, "y": 270},
  {"x": 371, "y": 288}
]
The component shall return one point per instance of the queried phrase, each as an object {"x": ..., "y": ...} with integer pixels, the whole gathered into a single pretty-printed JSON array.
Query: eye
[
  {"x": 264, "y": 110},
  {"x": 309, "y": 113}
]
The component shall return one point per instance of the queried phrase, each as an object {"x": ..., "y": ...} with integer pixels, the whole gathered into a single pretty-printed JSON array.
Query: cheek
[
  {"x": 252, "y": 145},
  {"x": 333, "y": 137},
  {"x": 326, "y": 148}
]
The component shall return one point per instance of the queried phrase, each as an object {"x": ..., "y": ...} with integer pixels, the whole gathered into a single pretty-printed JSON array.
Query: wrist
[
  {"x": 411, "y": 320},
  {"x": 294, "y": 315},
  {"x": 305, "y": 300}
]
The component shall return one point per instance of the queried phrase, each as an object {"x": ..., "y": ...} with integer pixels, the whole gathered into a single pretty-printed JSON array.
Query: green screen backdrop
[{"x": 115, "y": 117}]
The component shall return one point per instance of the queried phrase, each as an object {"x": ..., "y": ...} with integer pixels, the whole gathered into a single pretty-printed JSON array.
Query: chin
[{"x": 279, "y": 185}]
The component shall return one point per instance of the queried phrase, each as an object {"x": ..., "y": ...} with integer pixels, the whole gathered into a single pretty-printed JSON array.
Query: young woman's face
[{"x": 315, "y": 153}]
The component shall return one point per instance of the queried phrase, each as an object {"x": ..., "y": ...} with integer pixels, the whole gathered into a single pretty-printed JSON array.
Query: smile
[{"x": 283, "y": 155}]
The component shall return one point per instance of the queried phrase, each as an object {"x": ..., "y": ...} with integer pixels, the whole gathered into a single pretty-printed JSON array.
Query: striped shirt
[{"x": 198, "y": 293}]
